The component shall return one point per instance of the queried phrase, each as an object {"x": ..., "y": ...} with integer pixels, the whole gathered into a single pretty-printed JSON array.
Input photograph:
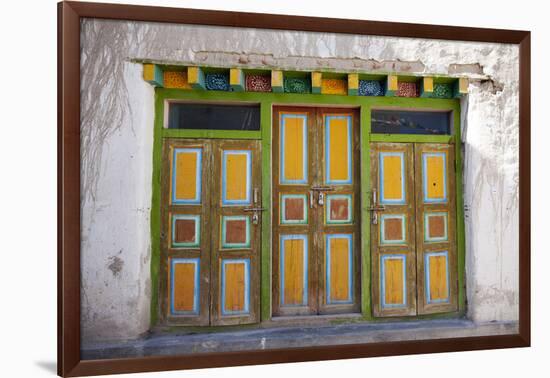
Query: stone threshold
[{"x": 185, "y": 342}]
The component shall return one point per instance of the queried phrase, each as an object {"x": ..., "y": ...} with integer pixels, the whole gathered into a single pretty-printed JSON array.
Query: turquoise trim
[
  {"x": 198, "y": 179},
  {"x": 427, "y": 256},
  {"x": 247, "y": 176},
  {"x": 383, "y": 219},
  {"x": 328, "y": 180},
  {"x": 383, "y": 200},
  {"x": 330, "y": 198},
  {"x": 246, "y": 307},
  {"x": 227, "y": 245},
  {"x": 349, "y": 238},
  {"x": 197, "y": 242},
  {"x": 383, "y": 279},
  {"x": 196, "y": 289},
  {"x": 427, "y": 199},
  {"x": 282, "y": 218},
  {"x": 282, "y": 239},
  {"x": 427, "y": 237},
  {"x": 282, "y": 175}
]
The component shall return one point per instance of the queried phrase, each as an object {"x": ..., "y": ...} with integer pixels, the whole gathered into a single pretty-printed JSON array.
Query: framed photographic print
[{"x": 240, "y": 188}]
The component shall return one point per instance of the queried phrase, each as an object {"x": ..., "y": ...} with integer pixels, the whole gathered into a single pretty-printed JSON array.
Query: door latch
[
  {"x": 321, "y": 200},
  {"x": 375, "y": 208},
  {"x": 256, "y": 215}
]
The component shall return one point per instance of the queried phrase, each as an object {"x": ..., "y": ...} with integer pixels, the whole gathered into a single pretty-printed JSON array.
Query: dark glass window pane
[
  {"x": 410, "y": 122},
  {"x": 213, "y": 117}
]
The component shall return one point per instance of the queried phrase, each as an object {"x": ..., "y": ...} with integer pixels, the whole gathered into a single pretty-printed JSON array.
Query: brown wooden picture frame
[{"x": 69, "y": 16}]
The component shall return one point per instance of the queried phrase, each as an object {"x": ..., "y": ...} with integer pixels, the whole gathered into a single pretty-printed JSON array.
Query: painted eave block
[
  {"x": 277, "y": 81},
  {"x": 427, "y": 87},
  {"x": 153, "y": 74},
  {"x": 461, "y": 87},
  {"x": 195, "y": 78},
  {"x": 316, "y": 82},
  {"x": 391, "y": 85},
  {"x": 353, "y": 84},
  {"x": 236, "y": 79}
]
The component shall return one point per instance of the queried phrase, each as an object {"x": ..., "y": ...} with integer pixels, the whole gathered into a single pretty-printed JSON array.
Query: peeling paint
[{"x": 466, "y": 68}]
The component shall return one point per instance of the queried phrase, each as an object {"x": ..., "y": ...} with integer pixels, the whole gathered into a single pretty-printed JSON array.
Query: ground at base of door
[{"x": 185, "y": 343}]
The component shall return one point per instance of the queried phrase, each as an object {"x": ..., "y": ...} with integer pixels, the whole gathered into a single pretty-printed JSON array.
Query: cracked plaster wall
[{"x": 117, "y": 112}]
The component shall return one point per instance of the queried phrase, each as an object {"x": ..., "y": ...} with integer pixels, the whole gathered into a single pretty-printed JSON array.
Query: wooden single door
[
  {"x": 413, "y": 248},
  {"x": 316, "y": 259},
  {"x": 236, "y": 219},
  {"x": 436, "y": 257},
  {"x": 210, "y": 237}
]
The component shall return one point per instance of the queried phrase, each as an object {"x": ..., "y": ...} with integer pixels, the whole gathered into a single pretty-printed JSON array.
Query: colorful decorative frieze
[
  {"x": 176, "y": 79},
  {"x": 405, "y": 89},
  {"x": 258, "y": 83},
  {"x": 236, "y": 79},
  {"x": 334, "y": 86},
  {"x": 217, "y": 82},
  {"x": 442, "y": 91},
  {"x": 370, "y": 88},
  {"x": 297, "y": 85}
]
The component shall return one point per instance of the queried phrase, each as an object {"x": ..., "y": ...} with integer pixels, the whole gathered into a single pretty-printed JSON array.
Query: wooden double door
[
  {"x": 316, "y": 217},
  {"x": 413, "y": 238},
  {"x": 210, "y": 236}
]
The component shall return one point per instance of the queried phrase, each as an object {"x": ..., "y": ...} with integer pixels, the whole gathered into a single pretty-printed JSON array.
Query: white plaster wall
[{"x": 117, "y": 129}]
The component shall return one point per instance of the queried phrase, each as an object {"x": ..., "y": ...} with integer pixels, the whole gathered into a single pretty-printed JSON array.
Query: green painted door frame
[{"x": 266, "y": 102}]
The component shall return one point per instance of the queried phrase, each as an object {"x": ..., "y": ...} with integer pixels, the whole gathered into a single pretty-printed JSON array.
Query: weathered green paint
[
  {"x": 266, "y": 101},
  {"x": 460, "y": 236},
  {"x": 408, "y": 138},
  {"x": 155, "y": 208},
  {"x": 366, "y": 189},
  {"x": 265, "y": 264},
  {"x": 212, "y": 134}
]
